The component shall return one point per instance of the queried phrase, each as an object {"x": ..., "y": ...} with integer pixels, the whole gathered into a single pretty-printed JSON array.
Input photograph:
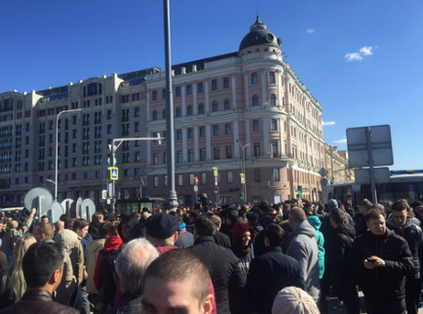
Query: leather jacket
[
  {"x": 383, "y": 283},
  {"x": 38, "y": 302}
]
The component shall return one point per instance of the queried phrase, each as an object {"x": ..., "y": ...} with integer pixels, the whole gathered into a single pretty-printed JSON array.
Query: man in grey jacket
[{"x": 303, "y": 248}]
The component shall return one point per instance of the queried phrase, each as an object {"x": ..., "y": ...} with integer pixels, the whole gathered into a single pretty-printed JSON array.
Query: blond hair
[{"x": 13, "y": 279}]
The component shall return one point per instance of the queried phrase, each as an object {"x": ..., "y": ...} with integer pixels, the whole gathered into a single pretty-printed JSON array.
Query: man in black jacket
[
  {"x": 271, "y": 272},
  {"x": 43, "y": 269},
  {"x": 338, "y": 252},
  {"x": 221, "y": 262},
  {"x": 381, "y": 260},
  {"x": 404, "y": 226}
]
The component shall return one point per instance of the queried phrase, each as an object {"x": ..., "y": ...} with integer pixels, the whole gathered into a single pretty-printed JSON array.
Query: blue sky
[{"x": 361, "y": 59}]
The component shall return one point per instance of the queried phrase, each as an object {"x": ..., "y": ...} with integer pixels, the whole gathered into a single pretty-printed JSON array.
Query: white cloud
[
  {"x": 343, "y": 141},
  {"x": 358, "y": 56},
  {"x": 329, "y": 123},
  {"x": 353, "y": 56},
  {"x": 366, "y": 51},
  {"x": 309, "y": 31}
]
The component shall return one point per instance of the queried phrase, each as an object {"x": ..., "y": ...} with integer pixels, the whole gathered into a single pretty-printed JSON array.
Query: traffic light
[
  {"x": 300, "y": 189},
  {"x": 241, "y": 196}
]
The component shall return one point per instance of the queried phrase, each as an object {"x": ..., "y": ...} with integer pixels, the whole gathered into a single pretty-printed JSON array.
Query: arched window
[
  {"x": 164, "y": 114},
  {"x": 189, "y": 110},
  {"x": 255, "y": 101},
  {"x": 227, "y": 104},
  {"x": 272, "y": 100},
  {"x": 215, "y": 107},
  {"x": 154, "y": 115},
  {"x": 200, "y": 108},
  {"x": 178, "y": 112}
]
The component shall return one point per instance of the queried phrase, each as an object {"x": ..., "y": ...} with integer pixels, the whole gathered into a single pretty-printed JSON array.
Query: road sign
[
  {"x": 215, "y": 173},
  {"x": 370, "y": 146},
  {"x": 323, "y": 172},
  {"x": 381, "y": 175},
  {"x": 113, "y": 173},
  {"x": 109, "y": 161},
  {"x": 195, "y": 188},
  {"x": 242, "y": 177}
]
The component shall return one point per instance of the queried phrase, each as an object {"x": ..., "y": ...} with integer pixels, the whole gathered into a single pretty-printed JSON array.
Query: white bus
[{"x": 403, "y": 185}]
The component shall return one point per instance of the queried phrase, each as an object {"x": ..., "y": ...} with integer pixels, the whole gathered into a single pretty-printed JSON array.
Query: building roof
[{"x": 258, "y": 35}]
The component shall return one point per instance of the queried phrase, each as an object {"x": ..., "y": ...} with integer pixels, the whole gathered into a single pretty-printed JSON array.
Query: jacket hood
[
  {"x": 315, "y": 222},
  {"x": 131, "y": 221},
  {"x": 346, "y": 229},
  {"x": 304, "y": 228},
  {"x": 95, "y": 246},
  {"x": 68, "y": 239},
  {"x": 390, "y": 221},
  {"x": 238, "y": 232},
  {"x": 112, "y": 244}
]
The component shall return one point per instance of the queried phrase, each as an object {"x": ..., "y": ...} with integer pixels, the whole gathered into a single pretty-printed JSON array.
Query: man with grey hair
[
  {"x": 130, "y": 267},
  {"x": 303, "y": 247}
]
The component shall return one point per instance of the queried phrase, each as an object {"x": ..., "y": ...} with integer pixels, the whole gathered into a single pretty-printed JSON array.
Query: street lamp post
[
  {"x": 113, "y": 149},
  {"x": 243, "y": 162},
  {"x": 56, "y": 168},
  {"x": 172, "y": 198}
]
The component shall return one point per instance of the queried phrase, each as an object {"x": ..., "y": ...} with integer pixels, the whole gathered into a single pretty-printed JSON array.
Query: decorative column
[
  {"x": 263, "y": 86},
  {"x": 234, "y": 100},
  {"x": 184, "y": 145}
]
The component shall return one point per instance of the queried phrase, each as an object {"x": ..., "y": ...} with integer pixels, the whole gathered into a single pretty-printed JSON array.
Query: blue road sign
[{"x": 113, "y": 173}]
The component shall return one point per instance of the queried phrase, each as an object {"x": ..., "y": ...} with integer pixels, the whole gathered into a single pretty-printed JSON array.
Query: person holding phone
[{"x": 380, "y": 262}]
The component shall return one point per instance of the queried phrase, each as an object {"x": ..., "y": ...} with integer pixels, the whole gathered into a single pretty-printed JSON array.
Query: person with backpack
[
  {"x": 338, "y": 255},
  {"x": 105, "y": 267}
]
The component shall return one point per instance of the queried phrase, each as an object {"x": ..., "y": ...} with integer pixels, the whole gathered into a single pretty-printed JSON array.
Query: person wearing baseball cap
[{"x": 162, "y": 231}]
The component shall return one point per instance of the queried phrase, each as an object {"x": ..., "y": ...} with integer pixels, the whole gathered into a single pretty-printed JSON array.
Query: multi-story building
[
  {"x": 336, "y": 162},
  {"x": 246, "y": 109}
]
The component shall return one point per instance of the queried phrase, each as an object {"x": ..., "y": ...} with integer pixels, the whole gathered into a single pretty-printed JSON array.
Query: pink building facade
[{"x": 243, "y": 109}]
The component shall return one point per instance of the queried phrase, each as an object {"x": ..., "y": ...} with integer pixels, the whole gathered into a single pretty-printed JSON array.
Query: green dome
[{"x": 259, "y": 35}]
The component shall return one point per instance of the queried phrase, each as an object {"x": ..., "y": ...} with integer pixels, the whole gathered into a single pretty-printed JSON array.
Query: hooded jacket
[
  {"x": 245, "y": 254},
  {"x": 69, "y": 241},
  {"x": 131, "y": 221},
  {"x": 338, "y": 251},
  {"x": 112, "y": 244},
  {"x": 93, "y": 248},
  {"x": 414, "y": 236},
  {"x": 320, "y": 239},
  {"x": 303, "y": 248}
]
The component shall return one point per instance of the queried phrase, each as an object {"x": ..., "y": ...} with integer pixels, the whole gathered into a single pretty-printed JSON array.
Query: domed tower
[{"x": 259, "y": 37}]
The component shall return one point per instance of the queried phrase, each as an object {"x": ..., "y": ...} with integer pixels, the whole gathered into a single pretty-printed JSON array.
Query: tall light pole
[
  {"x": 113, "y": 148},
  {"x": 243, "y": 162},
  {"x": 172, "y": 198},
  {"x": 56, "y": 168}
]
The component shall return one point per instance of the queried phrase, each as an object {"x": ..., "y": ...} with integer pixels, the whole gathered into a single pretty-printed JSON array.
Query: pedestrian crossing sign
[{"x": 113, "y": 173}]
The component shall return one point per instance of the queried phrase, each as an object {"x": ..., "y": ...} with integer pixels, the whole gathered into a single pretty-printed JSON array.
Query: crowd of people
[{"x": 240, "y": 259}]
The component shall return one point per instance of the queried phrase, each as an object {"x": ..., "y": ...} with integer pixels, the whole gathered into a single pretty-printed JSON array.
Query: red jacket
[{"x": 112, "y": 244}]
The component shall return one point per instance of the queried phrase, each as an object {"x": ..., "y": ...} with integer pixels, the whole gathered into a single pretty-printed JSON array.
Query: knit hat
[{"x": 293, "y": 300}]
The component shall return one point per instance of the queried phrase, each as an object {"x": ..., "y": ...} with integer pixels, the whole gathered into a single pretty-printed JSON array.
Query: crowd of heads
[{"x": 38, "y": 256}]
